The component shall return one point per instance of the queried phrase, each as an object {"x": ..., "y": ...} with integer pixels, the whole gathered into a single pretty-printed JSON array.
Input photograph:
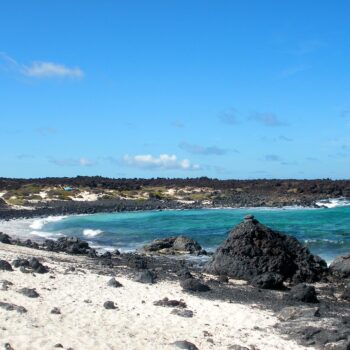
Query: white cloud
[
  {"x": 86, "y": 162},
  {"x": 164, "y": 161},
  {"x": 41, "y": 69},
  {"x": 51, "y": 70},
  {"x": 72, "y": 162}
]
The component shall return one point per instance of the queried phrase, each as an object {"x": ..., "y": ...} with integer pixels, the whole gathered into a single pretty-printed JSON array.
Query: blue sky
[{"x": 226, "y": 89}]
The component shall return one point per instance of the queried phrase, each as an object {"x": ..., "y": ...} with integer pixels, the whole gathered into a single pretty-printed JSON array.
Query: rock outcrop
[
  {"x": 70, "y": 245},
  {"x": 174, "y": 245},
  {"x": 253, "y": 249}
]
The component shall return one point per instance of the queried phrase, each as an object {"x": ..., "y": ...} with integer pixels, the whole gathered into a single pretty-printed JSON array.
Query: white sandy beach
[{"x": 136, "y": 324}]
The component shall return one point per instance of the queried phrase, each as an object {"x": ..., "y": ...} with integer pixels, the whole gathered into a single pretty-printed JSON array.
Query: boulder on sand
[
  {"x": 253, "y": 249},
  {"x": 174, "y": 245},
  {"x": 341, "y": 266}
]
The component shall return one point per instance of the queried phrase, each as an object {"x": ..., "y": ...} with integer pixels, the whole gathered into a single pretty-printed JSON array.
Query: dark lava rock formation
[
  {"x": 253, "y": 249},
  {"x": 174, "y": 245},
  {"x": 70, "y": 245}
]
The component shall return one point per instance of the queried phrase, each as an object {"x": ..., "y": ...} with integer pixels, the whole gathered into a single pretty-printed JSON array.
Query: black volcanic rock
[
  {"x": 194, "y": 285},
  {"x": 253, "y": 249},
  {"x": 268, "y": 280},
  {"x": 184, "y": 344},
  {"x": 341, "y": 266},
  {"x": 303, "y": 292},
  {"x": 20, "y": 262},
  {"x": 109, "y": 305},
  {"x": 145, "y": 276},
  {"x": 170, "y": 303},
  {"x": 4, "y": 238},
  {"x": 13, "y": 307},
  {"x": 70, "y": 245},
  {"x": 29, "y": 292},
  {"x": 5, "y": 266},
  {"x": 174, "y": 245},
  {"x": 114, "y": 283}
]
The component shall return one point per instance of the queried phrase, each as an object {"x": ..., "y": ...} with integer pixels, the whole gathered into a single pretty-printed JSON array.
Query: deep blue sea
[{"x": 325, "y": 231}]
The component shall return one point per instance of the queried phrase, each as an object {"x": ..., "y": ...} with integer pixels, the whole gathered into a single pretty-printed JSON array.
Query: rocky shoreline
[
  {"x": 58, "y": 208},
  {"x": 26, "y": 198},
  {"x": 314, "y": 315}
]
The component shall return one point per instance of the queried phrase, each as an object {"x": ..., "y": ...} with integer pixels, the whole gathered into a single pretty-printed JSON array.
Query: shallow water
[{"x": 325, "y": 231}]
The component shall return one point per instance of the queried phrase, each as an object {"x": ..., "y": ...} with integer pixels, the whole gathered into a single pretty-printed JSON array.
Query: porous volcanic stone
[
  {"x": 5, "y": 266},
  {"x": 253, "y": 249},
  {"x": 174, "y": 245},
  {"x": 341, "y": 266}
]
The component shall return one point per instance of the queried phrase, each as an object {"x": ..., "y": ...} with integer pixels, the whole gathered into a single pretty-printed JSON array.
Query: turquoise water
[{"x": 325, "y": 231}]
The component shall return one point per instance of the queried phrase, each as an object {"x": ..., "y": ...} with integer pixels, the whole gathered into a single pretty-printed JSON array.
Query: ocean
[{"x": 326, "y": 231}]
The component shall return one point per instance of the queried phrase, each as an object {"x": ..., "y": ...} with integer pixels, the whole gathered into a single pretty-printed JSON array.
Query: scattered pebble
[
  {"x": 13, "y": 307},
  {"x": 56, "y": 311},
  {"x": 4, "y": 285},
  {"x": 29, "y": 292},
  {"x": 114, "y": 283},
  {"x": 145, "y": 276},
  {"x": 170, "y": 303},
  {"x": 5, "y": 266},
  {"x": 182, "y": 313},
  {"x": 193, "y": 285},
  {"x": 184, "y": 344},
  {"x": 109, "y": 305}
]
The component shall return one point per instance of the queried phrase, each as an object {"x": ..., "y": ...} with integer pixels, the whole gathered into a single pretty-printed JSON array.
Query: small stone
[
  {"x": 292, "y": 313},
  {"x": 145, "y": 276},
  {"x": 4, "y": 238},
  {"x": 237, "y": 347},
  {"x": 182, "y": 313},
  {"x": 170, "y": 303},
  {"x": 23, "y": 269},
  {"x": 184, "y": 344},
  {"x": 109, "y": 305},
  {"x": 4, "y": 285},
  {"x": 193, "y": 285},
  {"x": 5, "y": 266},
  {"x": 41, "y": 269},
  {"x": 303, "y": 292},
  {"x": 223, "y": 279},
  {"x": 29, "y": 292},
  {"x": 8, "y": 346},
  {"x": 20, "y": 262},
  {"x": 58, "y": 345},
  {"x": 56, "y": 311},
  {"x": 13, "y": 307},
  {"x": 184, "y": 274},
  {"x": 268, "y": 280},
  {"x": 34, "y": 263},
  {"x": 114, "y": 283}
]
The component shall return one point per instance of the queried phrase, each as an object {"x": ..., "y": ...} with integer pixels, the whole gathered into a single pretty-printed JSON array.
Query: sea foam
[
  {"x": 91, "y": 233},
  {"x": 334, "y": 202},
  {"x": 38, "y": 224}
]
